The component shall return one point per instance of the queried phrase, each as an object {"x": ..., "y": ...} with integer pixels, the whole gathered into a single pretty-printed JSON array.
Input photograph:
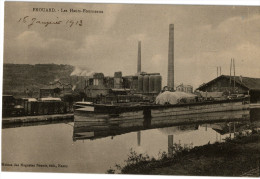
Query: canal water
[{"x": 93, "y": 147}]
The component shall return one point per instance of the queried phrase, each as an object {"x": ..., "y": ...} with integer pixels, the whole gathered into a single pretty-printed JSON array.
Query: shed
[{"x": 226, "y": 84}]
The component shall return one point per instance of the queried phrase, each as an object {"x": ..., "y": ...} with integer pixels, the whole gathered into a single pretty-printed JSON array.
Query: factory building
[
  {"x": 98, "y": 85},
  {"x": 118, "y": 81},
  {"x": 227, "y": 85},
  {"x": 140, "y": 85},
  {"x": 96, "y": 91},
  {"x": 109, "y": 82},
  {"x": 185, "y": 88},
  {"x": 78, "y": 82},
  {"x": 130, "y": 82},
  {"x": 98, "y": 79},
  {"x": 145, "y": 83}
]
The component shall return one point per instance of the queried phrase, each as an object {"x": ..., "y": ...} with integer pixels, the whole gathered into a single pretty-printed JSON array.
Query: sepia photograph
[{"x": 144, "y": 89}]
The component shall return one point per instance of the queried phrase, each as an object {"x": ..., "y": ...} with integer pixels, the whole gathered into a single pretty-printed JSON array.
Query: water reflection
[
  {"x": 94, "y": 147},
  {"x": 94, "y": 130}
]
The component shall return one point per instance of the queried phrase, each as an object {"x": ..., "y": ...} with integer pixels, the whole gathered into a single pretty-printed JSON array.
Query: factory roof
[
  {"x": 247, "y": 82},
  {"x": 182, "y": 85}
]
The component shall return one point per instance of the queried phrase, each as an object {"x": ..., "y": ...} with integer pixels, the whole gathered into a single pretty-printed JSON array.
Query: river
[{"x": 89, "y": 147}]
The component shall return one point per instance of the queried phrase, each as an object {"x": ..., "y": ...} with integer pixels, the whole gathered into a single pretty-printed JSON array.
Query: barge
[
  {"x": 125, "y": 111},
  {"x": 94, "y": 130}
]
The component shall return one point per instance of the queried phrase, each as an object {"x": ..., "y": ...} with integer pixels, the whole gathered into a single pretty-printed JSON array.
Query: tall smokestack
[
  {"x": 139, "y": 58},
  {"x": 170, "y": 80}
]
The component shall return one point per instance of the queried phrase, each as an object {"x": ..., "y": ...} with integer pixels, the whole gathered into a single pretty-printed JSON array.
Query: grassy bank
[{"x": 231, "y": 158}]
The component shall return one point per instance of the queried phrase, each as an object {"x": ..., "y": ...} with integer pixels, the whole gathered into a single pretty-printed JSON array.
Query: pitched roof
[{"x": 247, "y": 82}]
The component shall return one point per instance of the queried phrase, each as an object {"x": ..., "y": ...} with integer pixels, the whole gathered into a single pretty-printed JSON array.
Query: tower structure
[
  {"x": 139, "y": 58},
  {"x": 170, "y": 78}
]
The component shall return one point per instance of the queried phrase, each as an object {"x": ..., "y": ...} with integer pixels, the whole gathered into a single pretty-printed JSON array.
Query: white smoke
[
  {"x": 56, "y": 79},
  {"x": 78, "y": 71}
]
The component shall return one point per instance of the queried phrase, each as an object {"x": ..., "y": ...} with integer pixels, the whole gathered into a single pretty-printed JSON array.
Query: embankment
[{"x": 234, "y": 157}]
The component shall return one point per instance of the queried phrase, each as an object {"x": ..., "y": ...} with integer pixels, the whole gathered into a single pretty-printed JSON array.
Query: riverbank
[
  {"x": 41, "y": 118},
  {"x": 234, "y": 157}
]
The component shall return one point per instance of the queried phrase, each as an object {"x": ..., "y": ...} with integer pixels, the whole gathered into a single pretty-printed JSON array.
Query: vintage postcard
[{"x": 131, "y": 89}]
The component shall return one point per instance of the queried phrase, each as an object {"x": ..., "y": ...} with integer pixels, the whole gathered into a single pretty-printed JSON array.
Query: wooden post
[{"x": 170, "y": 145}]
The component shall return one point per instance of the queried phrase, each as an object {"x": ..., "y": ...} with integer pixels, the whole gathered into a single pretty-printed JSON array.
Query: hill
[{"x": 19, "y": 78}]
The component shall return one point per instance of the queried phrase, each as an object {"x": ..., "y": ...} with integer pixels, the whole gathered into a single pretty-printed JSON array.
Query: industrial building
[
  {"x": 141, "y": 84},
  {"x": 149, "y": 83},
  {"x": 137, "y": 86},
  {"x": 231, "y": 84},
  {"x": 184, "y": 88},
  {"x": 144, "y": 83},
  {"x": 55, "y": 89}
]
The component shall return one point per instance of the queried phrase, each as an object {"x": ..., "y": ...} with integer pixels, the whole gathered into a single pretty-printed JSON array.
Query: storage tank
[
  {"x": 135, "y": 83},
  {"x": 146, "y": 84},
  {"x": 118, "y": 80},
  {"x": 151, "y": 83},
  {"x": 140, "y": 83},
  {"x": 157, "y": 83}
]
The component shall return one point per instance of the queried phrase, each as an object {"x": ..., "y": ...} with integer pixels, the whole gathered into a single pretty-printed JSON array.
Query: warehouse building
[{"x": 229, "y": 85}]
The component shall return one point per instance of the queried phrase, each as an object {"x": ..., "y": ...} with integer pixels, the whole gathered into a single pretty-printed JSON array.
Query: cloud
[
  {"x": 111, "y": 15},
  {"x": 193, "y": 69},
  {"x": 30, "y": 38},
  {"x": 82, "y": 71},
  {"x": 137, "y": 37},
  {"x": 30, "y": 47}
]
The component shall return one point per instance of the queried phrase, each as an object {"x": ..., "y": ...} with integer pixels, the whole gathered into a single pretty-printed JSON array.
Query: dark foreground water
[{"x": 95, "y": 147}]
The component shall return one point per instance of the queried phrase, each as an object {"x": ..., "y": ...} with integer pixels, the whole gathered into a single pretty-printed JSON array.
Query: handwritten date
[{"x": 31, "y": 21}]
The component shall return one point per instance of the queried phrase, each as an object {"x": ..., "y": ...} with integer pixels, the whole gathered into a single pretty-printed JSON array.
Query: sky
[{"x": 205, "y": 37}]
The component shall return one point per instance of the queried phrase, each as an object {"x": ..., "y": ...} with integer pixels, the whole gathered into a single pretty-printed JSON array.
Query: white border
[
  {"x": 180, "y": 2},
  {"x": 5, "y": 175}
]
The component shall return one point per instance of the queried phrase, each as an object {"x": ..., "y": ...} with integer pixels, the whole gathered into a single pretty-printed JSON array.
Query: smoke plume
[{"x": 79, "y": 71}]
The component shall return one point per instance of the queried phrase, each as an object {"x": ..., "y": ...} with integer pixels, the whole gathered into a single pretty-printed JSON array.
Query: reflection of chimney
[
  {"x": 170, "y": 145},
  {"x": 139, "y": 58},
  {"x": 139, "y": 138},
  {"x": 170, "y": 82}
]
